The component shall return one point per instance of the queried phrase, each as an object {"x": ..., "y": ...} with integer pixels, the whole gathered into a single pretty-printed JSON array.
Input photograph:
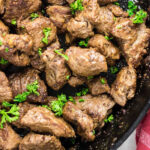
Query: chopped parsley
[
  {"x": 103, "y": 80},
  {"x": 116, "y": 3},
  {"x": 9, "y": 116},
  {"x": 81, "y": 100},
  {"x": 83, "y": 92},
  {"x": 31, "y": 89},
  {"x": 90, "y": 77},
  {"x": 57, "y": 106},
  {"x": 68, "y": 77},
  {"x": 113, "y": 69},
  {"x": 61, "y": 54},
  {"x": 3, "y": 61},
  {"x": 119, "y": 26},
  {"x": 93, "y": 132},
  {"x": 46, "y": 106},
  {"x": 40, "y": 51},
  {"x": 22, "y": 27},
  {"x": 1, "y": 43},
  {"x": 13, "y": 22},
  {"x": 34, "y": 16},
  {"x": 43, "y": 11},
  {"x": 46, "y": 32},
  {"x": 70, "y": 98},
  {"x": 76, "y": 6},
  {"x": 6, "y": 50},
  {"x": 6, "y": 104},
  {"x": 109, "y": 119},
  {"x": 139, "y": 17},
  {"x": 108, "y": 38},
  {"x": 84, "y": 42},
  {"x": 132, "y": 8}
]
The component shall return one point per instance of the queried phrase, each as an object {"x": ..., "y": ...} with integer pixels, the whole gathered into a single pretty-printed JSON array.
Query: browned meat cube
[
  {"x": 59, "y": 15},
  {"x": 83, "y": 122},
  {"x": 117, "y": 10},
  {"x": 75, "y": 81},
  {"x": 42, "y": 120},
  {"x": 40, "y": 142},
  {"x": 16, "y": 48},
  {"x": 9, "y": 140},
  {"x": 20, "y": 9},
  {"x": 5, "y": 90},
  {"x": 35, "y": 28},
  {"x": 57, "y": 2},
  {"x": 124, "y": 86},
  {"x": 106, "y": 21},
  {"x": 137, "y": 50},
  {"x": 23, "y": 108},
  {"x": 104, "y": 2},
  {"x": 3, "y": 28},
  {"x": 79, "y": 27},
  {"x": 2, "y": 7},
  {"x": 19, "y": 82},
  {"x": 97, "y": 107},
  {"x": 98, "y": 86},
  {"x": 86, "y": 61},
  {"x": 104, "y": 46}
]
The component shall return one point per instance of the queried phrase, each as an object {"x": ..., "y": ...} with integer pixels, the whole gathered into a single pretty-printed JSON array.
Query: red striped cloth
[{"x": 143, "y": 133}]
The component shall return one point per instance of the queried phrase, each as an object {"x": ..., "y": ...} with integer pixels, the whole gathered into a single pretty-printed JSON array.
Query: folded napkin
[{"x": 143, "y": 133}]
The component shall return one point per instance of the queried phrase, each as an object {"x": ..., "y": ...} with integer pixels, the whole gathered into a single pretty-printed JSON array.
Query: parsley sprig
[
  {"x": 59, "y": 52},
  {"x": 83, "y": 92},
  {"x": 132, "y": 8},
  {"x": 33, "y": 16},
  {"x": 76, "y": 6},
  {"x": 3, "y": 61},
  {"x": 9, "y": 116},
  {"x": 46, "y": 32},
  {"x": 31, "y": 89},
  {"x": 109, "y": 119},
  {"x": 84, "y": 42}
]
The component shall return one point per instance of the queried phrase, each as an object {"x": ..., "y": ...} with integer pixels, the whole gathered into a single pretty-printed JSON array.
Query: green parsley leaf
[
  {"x": 40, "y": 51},
  {"x": 46, "y": 32},
  {"x": 116, "y": 3},
  {"x": 76, "y": 6},
  {"x": 6, "y": 50},
  {"x": 43, "y": 11},
  {"x": 31, "y": 89},
  {"x": 10, "y": 116},
  {"x": 1, "y": 43},
  {"x": 34, "y": 16},
  {"x": 93, "y": 132},
  {"x": 83, "y": 92},
  {"x": 61, "y": 54},
  {"x": 108, "y": 38},
  {"x": 6, "y": 104},
  {"x": 109, "y": 119},
  {"x": 103, "y": 81},
  {"x": 81, "y": 100},
  {"x": 132, "y": 8},
  {"x": 46, "y": 106},
  {"x": 13, "y": 22},
  {"x": 84, "y": 42},
  {"x": 113, "y": 70},
  {"x": 119, "y": 27},
  {"x": 3, "y": 61},
  {"x": 139, "y": 17},
  {"x": 22, "y": 27},
  {"x": 90, "y": 77},
  {"x": 70, "y": 98},
  {"x": 68, "y": 77}
]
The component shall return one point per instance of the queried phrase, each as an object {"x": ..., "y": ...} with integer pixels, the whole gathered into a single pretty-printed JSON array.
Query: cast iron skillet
[{"x": 125, "y": 119}]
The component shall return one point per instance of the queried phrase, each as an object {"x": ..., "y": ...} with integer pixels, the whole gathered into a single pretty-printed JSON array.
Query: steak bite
[
  {"x": 98, "y": 86},
  {"x": 16, "y": 49},
  {"x": 5, "y": 90},
  {"x": 19, "y": 82},
  {"x": 37, "y": 29},
  {"x": 104, "y": 46},
  {"x": 9, "y": 140},
  {"x": 40, "y": 119},
  {"x": 86, "y": 61},
  {"x": 97, "y": 107},
  {"x": 59, "y": 15},
  {"x": 20, "y": 9},
  {"x": 57, "y": 2},
  {"x": 34, "y": 141},
  {"x": 79, "y": 27},
  {"x": 124, "y": 86},
  {"x": 83, "y": 122}
]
